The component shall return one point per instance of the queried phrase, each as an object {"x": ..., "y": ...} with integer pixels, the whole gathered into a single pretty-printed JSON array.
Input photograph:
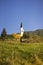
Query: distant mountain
[{"x": 38, "y": 32}]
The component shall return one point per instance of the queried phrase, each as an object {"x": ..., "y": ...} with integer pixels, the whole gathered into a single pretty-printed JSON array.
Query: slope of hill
[
  {"x": 35, "y": 36},
  {"x": 36, "y": 32}
]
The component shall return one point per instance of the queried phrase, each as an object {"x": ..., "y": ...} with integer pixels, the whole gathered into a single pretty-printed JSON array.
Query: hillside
[
  {"x": 38, "y": 32},
  {"x": 35, "y": 36}
]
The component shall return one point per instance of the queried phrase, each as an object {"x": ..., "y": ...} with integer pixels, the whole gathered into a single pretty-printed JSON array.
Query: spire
[
  {"x": 21, "y": 25},
  {"x": 21, "y": 29}
]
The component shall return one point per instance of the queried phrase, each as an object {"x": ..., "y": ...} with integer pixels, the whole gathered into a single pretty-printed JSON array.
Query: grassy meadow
[{"x": 14, "y": 53}]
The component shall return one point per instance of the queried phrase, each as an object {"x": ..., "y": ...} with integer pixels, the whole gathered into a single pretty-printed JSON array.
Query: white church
[{"x": 19, "y": 35}]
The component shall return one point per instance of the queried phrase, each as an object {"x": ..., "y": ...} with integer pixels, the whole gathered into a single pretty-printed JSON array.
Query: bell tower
[{"x": 21, "y": 30}]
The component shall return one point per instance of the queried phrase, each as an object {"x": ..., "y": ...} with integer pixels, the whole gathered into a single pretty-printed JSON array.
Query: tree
[
  {"x": 3, "y": 34},
  {"x": 26, "y": 35}
]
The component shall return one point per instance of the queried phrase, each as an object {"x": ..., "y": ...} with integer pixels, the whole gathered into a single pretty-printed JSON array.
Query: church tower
[{"x": 21, "y": 30}]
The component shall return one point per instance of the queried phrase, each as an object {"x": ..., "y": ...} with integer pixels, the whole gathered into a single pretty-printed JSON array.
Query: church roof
[{"x": 21, "y": 25}]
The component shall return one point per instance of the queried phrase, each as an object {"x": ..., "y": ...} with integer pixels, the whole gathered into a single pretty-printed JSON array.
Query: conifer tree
[{"x": 3, "y": 34}]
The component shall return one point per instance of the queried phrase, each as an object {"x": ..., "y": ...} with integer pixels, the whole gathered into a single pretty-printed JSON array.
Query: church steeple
[
  {"x": 21, "y": 25},
  {"x": 21, "y": 29}
]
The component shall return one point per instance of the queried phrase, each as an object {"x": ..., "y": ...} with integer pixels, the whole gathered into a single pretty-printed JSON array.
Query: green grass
[{"x": 21, "y": 53}]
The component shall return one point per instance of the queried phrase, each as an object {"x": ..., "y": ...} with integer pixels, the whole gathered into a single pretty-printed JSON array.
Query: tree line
[{"x": 31, "y": 36}]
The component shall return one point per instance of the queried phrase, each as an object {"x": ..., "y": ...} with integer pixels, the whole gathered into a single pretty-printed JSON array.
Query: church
[{"x": 19, "y": 35}]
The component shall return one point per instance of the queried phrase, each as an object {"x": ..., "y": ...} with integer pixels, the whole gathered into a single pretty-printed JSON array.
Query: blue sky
[{"x": 13, "y": 12}]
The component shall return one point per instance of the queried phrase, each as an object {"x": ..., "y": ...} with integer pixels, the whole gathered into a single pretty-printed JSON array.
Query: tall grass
[{"x": 21, "y": 53}]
